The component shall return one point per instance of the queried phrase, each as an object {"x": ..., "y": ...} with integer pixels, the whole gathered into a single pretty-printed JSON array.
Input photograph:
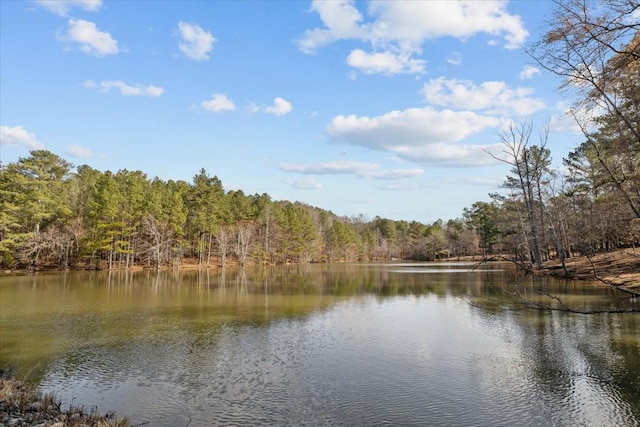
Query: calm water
[{"x": 396, "y": 344}]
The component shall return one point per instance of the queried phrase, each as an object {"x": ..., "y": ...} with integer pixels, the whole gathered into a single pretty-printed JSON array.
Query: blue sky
[{"x": 380, "y": 108}]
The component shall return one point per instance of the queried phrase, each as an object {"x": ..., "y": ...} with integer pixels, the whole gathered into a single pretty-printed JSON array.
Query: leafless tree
[
  {"x": 245, "y": 233},
  {"x": 223, "y": 237},
  {"x": 157, "y": 241},
  {"x": 590, "y": 44},
  {"x": 529, "y": 164}
]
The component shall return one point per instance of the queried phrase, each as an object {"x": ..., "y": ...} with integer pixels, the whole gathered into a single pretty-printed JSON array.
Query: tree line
[
  {"x": 54, "y": 214},
  {"x": 57, "y": 215}
]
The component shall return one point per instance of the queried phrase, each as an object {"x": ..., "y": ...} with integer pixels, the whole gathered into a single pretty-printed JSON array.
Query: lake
[{"x": 343, "y": 344}]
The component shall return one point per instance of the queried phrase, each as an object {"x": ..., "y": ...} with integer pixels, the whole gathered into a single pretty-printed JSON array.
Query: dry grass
[{"x": 22, "y": 405}]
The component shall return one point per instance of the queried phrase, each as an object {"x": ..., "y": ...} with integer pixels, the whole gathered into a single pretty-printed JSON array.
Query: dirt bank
[{"x": 620, "y": 268}]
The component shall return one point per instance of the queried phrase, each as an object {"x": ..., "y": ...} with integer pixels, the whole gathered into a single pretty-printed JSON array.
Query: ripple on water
[{"x": 404, "y": 361}]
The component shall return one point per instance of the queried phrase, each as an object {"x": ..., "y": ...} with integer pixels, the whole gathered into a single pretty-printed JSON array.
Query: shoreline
[
  {"x": 22, "y": 405},
  {"x": 618, "y": 268}
]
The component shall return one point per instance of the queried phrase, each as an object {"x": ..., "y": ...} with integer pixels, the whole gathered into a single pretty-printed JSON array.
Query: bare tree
[
  {"x": 594, "y": 46},
  {"x": 223, "y": 237},
  {"x": 157, "y": 241},
  {"x": 245, "y": 232},
  {"x": 589, "y": 44},
  {"x": 529, "y": 165}
]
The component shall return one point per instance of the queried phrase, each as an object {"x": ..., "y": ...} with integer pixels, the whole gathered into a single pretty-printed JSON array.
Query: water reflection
[{"x": 323, "y": 345}]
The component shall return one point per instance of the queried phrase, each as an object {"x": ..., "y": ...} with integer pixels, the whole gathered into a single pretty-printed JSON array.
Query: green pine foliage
[{"x": 55, "y": 215}]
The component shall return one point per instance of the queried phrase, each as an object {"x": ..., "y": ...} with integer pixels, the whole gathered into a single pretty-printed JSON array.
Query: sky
[{"x": 379, "y": 108}]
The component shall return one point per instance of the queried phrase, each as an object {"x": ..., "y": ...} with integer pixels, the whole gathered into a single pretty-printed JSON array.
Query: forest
[{"x": 54, "y": 214}]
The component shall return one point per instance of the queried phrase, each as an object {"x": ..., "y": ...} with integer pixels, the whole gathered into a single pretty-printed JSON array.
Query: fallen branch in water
[
  {"x": 520, "y": 301},
  {"x": 565, "y": 307},
  {"x": 521, "y": 266}
]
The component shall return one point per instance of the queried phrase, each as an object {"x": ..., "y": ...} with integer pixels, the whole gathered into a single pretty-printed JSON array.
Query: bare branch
[{"x": 620, "y": 288}]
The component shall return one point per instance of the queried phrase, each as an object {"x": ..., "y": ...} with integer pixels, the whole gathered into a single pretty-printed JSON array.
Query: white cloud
[
  {"x": 62, "y": 7},
  {"x": 18, "y": 136},
  {"x": 125, "y": 89},
  {"x": 363, "y": 170},
  {"x": 451, "y": 155},
  {"x": 494, "y": 97},
  {"x": 419, "y": 21},
  {"x": 304, "y": 184},
  {"x": 280, "y": 107},
  {"x": 455, "y": 58},
  {"x": 91, "y": 40},
  {"x": 329, "y": 168},
  {"x": 448, "y": 182},
  {"x": 528, "y": 72},
  {"x": 396, "y": 186},
  {"x": 196, "y": 43},
  {"x": 411, "y": 127},
  {"x": 563, "y": 123},
  {"x": 435, "y": 136},
  {"x": 394, "y": 174},
  {"x": 570, "y": 119},
  {"x": 384, "y": 62},
  {"x": 218, "y": 103},
  {"x": 423, "y": 135},
  {"x": 342, "y": 21},
  {"x": 79, "y": 152},
  {"x": 397, "y": 29}
]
